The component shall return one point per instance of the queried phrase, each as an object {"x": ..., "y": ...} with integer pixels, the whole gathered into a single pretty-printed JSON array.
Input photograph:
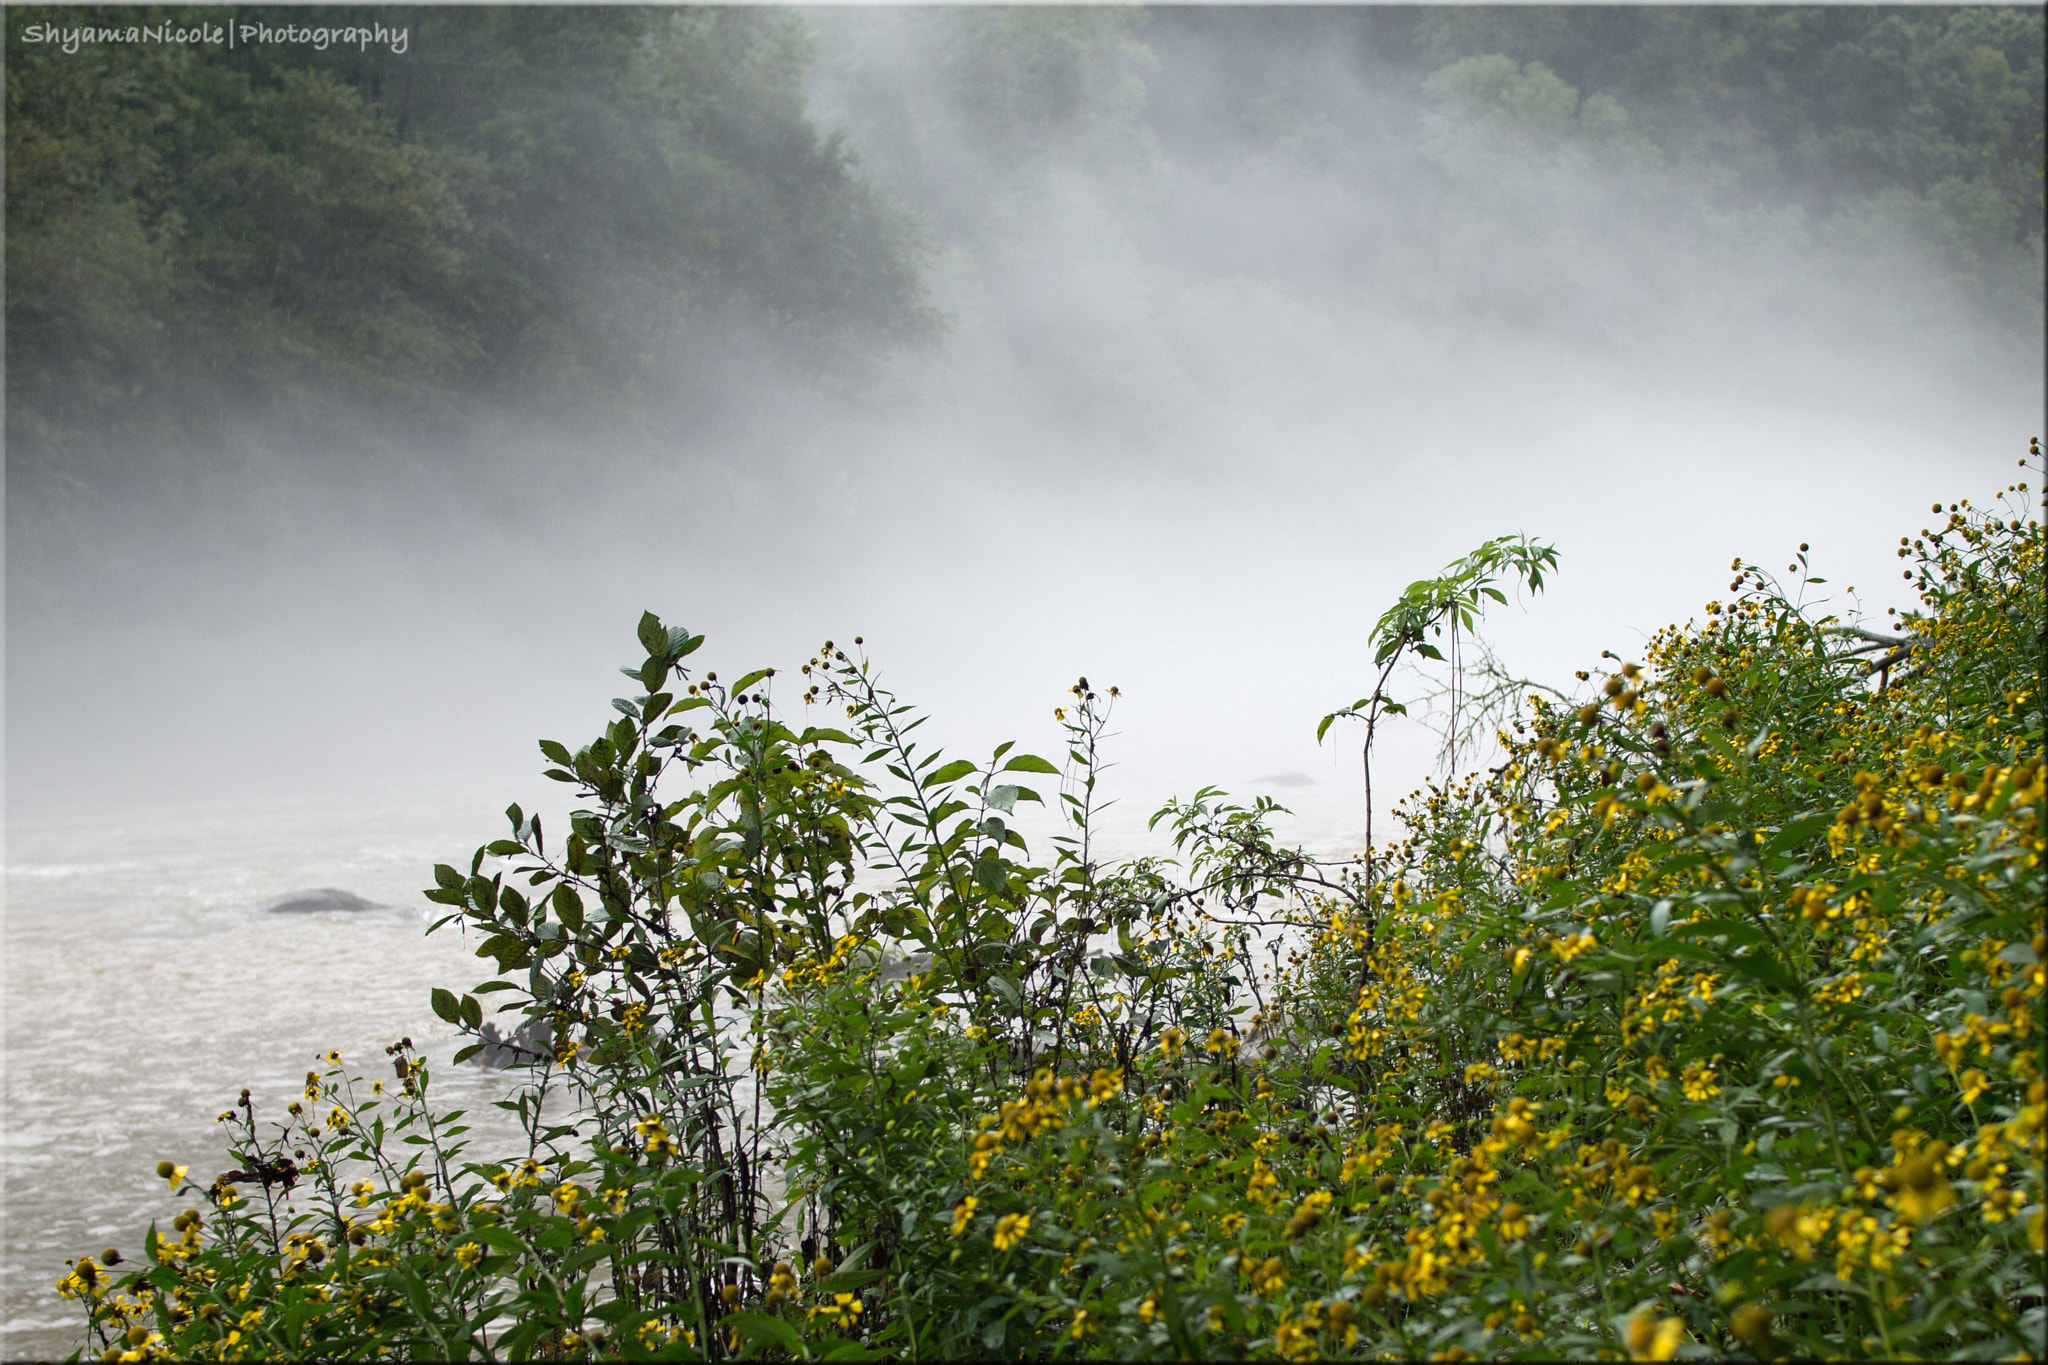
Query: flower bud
[{"x": 1751, "y": 1325}]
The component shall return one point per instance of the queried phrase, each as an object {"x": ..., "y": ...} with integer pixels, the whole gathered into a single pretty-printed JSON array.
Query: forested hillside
[
  {"x": 580, "y": 203},
  {"x": 535, "y": 201},
  {"x": 1848, "y": 123},
  {"x": 1807, "y": 103}
]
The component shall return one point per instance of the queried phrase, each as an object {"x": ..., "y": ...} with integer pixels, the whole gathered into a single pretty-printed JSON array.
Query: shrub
[{"x": 1708, "y": 1021}]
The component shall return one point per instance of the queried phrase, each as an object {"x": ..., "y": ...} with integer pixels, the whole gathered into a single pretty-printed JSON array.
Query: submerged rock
[
  {"x": 897, "y": 968},
  {"x": 319, "y": 898},
  {"x": 532, "y": 1042}
]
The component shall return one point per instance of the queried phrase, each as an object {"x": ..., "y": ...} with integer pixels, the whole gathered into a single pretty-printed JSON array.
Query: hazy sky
[{"x": 1205, "y": 404}]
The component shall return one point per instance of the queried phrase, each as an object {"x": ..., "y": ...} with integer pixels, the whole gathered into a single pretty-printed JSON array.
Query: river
[{"x": 147, "y": 982}]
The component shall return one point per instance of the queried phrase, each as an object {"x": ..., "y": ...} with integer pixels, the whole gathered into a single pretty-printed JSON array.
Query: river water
[{"x": 146, "y": 983}]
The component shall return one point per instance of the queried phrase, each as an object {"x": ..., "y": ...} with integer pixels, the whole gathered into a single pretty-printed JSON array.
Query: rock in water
[
  {"x": 532, "y": 1042},
  {"x": 319, "y": 898}
]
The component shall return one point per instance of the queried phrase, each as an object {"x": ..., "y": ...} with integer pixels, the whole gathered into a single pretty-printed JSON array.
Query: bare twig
[{"x": 1873, "y": 636}]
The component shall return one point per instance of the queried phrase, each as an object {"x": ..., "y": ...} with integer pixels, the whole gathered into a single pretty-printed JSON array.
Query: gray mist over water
[
  {"x": 1216, "y": 383},
  {"x": 1247, "y": 339},
  {"x": 1243, "y": 338}
]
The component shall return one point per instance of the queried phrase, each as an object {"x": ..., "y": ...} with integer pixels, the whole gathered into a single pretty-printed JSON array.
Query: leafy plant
[
  {"x": 1455, "y": 599},
  {"x": 1709, "y": 1022}
]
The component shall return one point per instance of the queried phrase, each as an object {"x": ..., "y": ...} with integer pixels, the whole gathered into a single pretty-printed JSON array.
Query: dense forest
[
  {"x": 1847, "y": 115},
  {"x": 526, "y": 197},
  {"x": 533, "y": 206}
]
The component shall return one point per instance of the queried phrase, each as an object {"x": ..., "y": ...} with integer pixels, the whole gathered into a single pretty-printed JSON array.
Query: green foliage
[
  {"x": 1876, "y": 97},
  {"x": 1860, "y": 142},
  {"x": 524, "y": 202},
  {"x": 542, "y": 205},
  {"x": 1871, "y": 122},
  {"x": 1709, "y": 1021},
  {"x": 1455, "y": 598},
  {"x": 982, "y": 111}
]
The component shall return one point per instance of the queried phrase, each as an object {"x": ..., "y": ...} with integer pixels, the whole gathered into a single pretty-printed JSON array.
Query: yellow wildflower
[
  {"x": 1648, "y": 1339},
  {"x": 1011, "y": 1229}
]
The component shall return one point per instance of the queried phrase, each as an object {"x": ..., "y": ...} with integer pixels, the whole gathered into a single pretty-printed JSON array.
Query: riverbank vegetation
[{"x": 1707, "y": 1023}]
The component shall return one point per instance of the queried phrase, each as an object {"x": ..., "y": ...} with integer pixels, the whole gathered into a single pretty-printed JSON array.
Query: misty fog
[
  {"x": 1243, "y": 341},
  {"x": 1235, "y": 323}
]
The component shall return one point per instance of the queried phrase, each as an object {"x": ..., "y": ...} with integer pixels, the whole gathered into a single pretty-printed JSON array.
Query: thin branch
[{"x": 1875, "y": 637}]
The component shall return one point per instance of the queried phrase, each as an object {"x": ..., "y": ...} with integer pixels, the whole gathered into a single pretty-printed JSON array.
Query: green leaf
[
  {"x": 853, "y": 1351},
  {"x": 856, "y": 1279},
  {"x": 1660, "y": 918},
  {"x": 1736, "y": 932},
  {"x": 472, "y": 1013},
  {"x": 1767, "y": 970},
  {"x": 568, "y": 907},
  {"x": 769, "y": 1331},
  {"x": 447, "y": 878},
  {"x": 1030, "y": 763},
  {"x": 556, "y": 752},
  {"x": 445, "y": 1005},
  {"x": 1798, "y": 832},
  {"x": 744, "y": 683},
  {"x": 509, "y": 951},
  {"x": 821, "y": 735},
  {"x": 952, "y": 772},
  {"x": 653, "y": 635}
]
